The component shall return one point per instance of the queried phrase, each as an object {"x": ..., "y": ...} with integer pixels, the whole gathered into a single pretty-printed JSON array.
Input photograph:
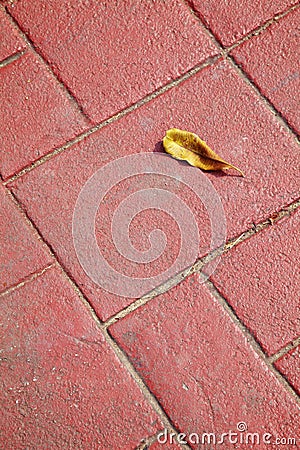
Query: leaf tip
[{"x": 240, "y": 172}]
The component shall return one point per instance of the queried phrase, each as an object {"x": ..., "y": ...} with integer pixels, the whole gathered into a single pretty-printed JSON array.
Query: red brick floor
[
  {"x": 11, "y": 42},
  {"x": 269, "y": 60},
  {"x": 88, "y": 90},
  {"x": 289, "y": 367}
]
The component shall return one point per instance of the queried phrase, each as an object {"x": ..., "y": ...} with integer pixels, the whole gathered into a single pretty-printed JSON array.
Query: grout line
[
  {"x": 29, "y": 222},
  {"x": 164, "y": 287},
  {"x": 148, "y": 395},
  {"x": 27, "y": 279},
  {"x": 189, "y": 4},
  {"x": 11, "y": 58},
  {"x": 151, "y": 399},
  {"x": 32, "y": 47},
  {"x": 146, "y": 443},
  {"x": 225, "y": 52},
  {"x": 121, "y": 354},
  {"x": 265, "y": 99},
  {"x": 50, "y": 155},
  {"x": 283, "y": 351},
  {"x": 255, "y": 32},
  {"x": 258, "y": 30},
  {"x": 286, "y": 211},
  {"x": 251, "y": 339},
  {"x": 174, "y": 281},
  {"x": 202, "y": 262},
  {"x": 115, "y": 117},
  {"x": 195, "y": 268}
]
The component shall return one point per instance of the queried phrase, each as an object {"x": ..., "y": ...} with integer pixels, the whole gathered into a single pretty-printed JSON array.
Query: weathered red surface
[
  {"x": 10, "y": 40},
  {"x": 223, "y": 110},
  {"x": 289, "y": 366},
  {"x": 261, "y": 281},
  {"x": 271, "y": 60},
  {"x": 232, "y": 20},
  {"x": 200, "y": 366},
  {"x": 112, "y": 54},
  {"x": 21, "y": 252},
  {"x": 62, "y": 385},
  {"x": 36, "y": 114}
]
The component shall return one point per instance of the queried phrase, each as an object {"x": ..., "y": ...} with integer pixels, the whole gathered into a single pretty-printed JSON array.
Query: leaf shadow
[{"x": 158, "y": 147}]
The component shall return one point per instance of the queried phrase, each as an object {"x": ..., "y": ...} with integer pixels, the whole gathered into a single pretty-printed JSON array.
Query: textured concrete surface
[
  {"x": 219, "y": 106},
  {"x": 37, "y": 116},
  {"x": 10, "y": 40},
  {"x": 260, "y": 279},
  {"x": 289, "y": 367},
  {"x": 61, "y": 383},
  {"x": 232, "y": 20},
  {"x": 215, "y": 380},
  {"x": 21, "y": 252},
  {"x": 121, "y": 51},
  {"x": 271, "y": 60},
  {"x": 86, "y": 365}
]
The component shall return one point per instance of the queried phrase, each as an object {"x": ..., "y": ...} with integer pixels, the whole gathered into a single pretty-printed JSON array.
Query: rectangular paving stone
[
  {"x": 62, "y": 385},
  {"x": 260, "y": 279},
  {"x": 21, "y": 252},
  {"x": 10, "y": 40},
  {"x": 36, "y": 114},
  {"x": 232, "y": 20},
  {"x": 219, "y": 106},
  {"x": 289, "y": 366},
  {"x": 203, "y": 371},
  {"x": 111, "y": 54},
  {"x": 271, "y": 60}
]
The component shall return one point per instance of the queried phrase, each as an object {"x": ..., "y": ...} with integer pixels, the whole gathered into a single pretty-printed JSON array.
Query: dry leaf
[{"x": 189, "y": 147}]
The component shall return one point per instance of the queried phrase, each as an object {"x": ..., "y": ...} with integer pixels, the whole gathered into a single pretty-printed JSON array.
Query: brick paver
[
  {"x": 21, "y": 253},
  {"x": 234, "y": 19},
  {"x": 272, "y": 61},
  {"x": 199, "y": 365},
  {"x": 289, "y": 366},
  {"x": 221, "y": 108},
  {"x": 121, "y": 50},
  {"x": 10, "y": 41},
  {"x": 36, "y": 114},
  {"x": 260, "y": 279},
  {"x": 62, "y": 385}
]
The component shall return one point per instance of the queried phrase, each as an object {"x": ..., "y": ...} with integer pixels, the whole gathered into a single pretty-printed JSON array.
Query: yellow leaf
[{"x": 189, "y": 147}]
